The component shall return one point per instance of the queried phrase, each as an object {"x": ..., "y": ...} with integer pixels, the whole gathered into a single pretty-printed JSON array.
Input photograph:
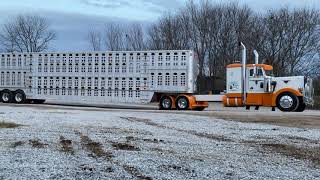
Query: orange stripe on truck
[
  {"x": 264, "y": 66},
  {"x": 256, "y": 99}
]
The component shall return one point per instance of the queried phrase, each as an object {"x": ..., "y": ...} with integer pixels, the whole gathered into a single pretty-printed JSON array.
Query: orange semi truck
[{"x": 254, "y": 85}]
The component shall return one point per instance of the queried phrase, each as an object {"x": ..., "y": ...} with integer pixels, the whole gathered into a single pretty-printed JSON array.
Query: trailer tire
[
  {"x": 182, "y": 103},
  {"x": 6, "y": 96},
  {"x": 165, "y": 103},
  {"x": 19, "y": 97},
  {"x": 287, "y": 102}
]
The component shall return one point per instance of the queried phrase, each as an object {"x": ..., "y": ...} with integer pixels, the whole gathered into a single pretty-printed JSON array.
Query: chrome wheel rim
[
  {"x": 182, "y": 103},
  {"x": 286, "y": 102},
  {"x": 5, "y": 97},
  {"x": 166, "y": 103},
  {"x": 18, "y": 97}
]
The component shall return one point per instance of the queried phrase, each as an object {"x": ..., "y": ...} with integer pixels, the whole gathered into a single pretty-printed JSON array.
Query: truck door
[{"x": 255, "y": 87}]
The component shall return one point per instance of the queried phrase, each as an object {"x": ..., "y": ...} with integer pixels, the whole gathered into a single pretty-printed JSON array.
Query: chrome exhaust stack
[
  {"x": 256, "y": 62},
  {"x": 244, "y": 73}
]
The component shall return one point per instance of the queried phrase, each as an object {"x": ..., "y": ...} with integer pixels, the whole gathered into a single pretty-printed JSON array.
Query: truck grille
[{"x": 308, "y": 91}]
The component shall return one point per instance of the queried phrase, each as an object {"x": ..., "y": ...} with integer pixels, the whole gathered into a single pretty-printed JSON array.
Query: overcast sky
[{"x": 72, "y": 19}]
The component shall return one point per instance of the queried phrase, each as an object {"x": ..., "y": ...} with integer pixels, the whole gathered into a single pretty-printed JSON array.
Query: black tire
[
  {"x": 301, "y": 107},
  {"x": 19, "y": 97},
  {"x": 6, "y": 96},
  {"x": 182, "y": 103},
  {"x": 165, "y": 103},
  {"x": 287, "y": 102}
]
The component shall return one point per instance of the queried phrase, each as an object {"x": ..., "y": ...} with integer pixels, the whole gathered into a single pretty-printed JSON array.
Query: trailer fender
[{"x": 193, "y": 103}]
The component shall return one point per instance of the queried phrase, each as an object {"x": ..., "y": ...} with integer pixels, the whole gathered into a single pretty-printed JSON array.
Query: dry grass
[
  {"x": 16, "y": 144},
  {"x": 94, "y": 147},
  {"x": 66, "y": 145},
  {"x": 36, "y": 143},
  {"x": 8, "y": 125},
  {"x": 311, "y": 154},
  {"x": 173, "y": 167},
  {"x": 136, "y": 173},
  {"x": 125, "y": 146}
]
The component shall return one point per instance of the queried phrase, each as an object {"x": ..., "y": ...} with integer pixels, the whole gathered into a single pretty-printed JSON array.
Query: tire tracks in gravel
[
  {"x": 96, "y": 148},
  {"x": 215, "y": 137},
  {"x": 309, "y": 154}
]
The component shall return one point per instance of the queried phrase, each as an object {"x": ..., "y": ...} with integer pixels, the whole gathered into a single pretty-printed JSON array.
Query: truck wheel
[
  {"x": 287, "y": 102},
  {"x": 19, "y": 97},
  {"x": 182, "y": 103},
  {"x": 301, "y": 107},
  {"x": 6, "y": 96},
  {"x": 165, "y": 103}
]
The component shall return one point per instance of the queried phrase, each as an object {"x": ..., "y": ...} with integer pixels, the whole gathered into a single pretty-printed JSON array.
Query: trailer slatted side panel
[
  {"x": 15, "y": 72},
  {"x": 99, "y": 77}
]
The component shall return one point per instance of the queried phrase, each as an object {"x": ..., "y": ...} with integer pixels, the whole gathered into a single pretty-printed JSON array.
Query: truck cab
[{"x": 256, "y": 86}]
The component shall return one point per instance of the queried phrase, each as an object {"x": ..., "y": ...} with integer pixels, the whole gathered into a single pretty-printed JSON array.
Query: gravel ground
[{"x": 91, "y": 143}]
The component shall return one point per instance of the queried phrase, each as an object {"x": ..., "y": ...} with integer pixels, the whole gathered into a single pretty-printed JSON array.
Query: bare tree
[
  {"x": 27, "y": 33},
  {"x": 291, "y": 39},
  {"x": 95, "y": 40},
  {"x": 135, "y": 37},
  {"x": 114, "y": 37},
  {"x": 170, "y": 32}
]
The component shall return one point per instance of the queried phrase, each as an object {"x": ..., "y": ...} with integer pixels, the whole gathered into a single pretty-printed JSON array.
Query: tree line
[{"x": 288, "y": 39}]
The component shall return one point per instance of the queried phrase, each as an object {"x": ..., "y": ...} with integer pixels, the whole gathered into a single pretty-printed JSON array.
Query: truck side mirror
[{"x": 274, "y": 84}]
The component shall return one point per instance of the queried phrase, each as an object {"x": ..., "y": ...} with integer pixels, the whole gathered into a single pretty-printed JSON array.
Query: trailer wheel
[
  {"x": 182, "y": 103},
  {"x": 287, "y": 102},
  {"x": 19, "y": 97},
  {"x": 6, "y": 96},
  {"x": 165, "y": 103}
]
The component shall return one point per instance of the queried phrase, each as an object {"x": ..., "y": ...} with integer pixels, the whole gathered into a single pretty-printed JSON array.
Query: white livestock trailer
[{"x": 97, "y": 77}]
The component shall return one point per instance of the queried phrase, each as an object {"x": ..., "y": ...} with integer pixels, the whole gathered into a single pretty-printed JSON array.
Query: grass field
[{"x": 8, "y": 125}]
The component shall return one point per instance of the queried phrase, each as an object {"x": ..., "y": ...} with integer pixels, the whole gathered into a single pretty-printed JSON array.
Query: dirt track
[{"x": 306, "y": 119}]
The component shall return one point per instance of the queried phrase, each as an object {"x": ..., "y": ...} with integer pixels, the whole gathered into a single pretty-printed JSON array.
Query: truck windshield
[{"x": 269, "y": 73}]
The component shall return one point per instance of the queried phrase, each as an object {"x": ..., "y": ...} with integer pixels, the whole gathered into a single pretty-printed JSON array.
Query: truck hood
[
  {"x": 297, "y": 83},
  {"x": 294, "y": 82}
]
